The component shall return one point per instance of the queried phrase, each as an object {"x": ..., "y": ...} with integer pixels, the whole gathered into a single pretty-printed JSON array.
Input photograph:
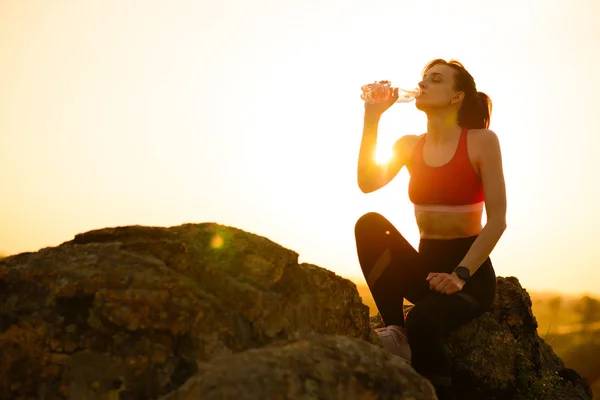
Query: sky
[{"x": 248, "y": 113}]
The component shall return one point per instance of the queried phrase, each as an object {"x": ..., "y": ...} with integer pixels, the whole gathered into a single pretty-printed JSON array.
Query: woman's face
[{"x": 437, "y": 89}]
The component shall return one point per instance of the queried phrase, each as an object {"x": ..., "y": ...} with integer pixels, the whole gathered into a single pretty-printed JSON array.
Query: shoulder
[
  {"x": 406, "y": 145},
  {"x": 483, "y": 137},
  {"x": 484, "y": 147},
  {"x": 407, "y": 142},
  {"x": 483, "y": 141}
]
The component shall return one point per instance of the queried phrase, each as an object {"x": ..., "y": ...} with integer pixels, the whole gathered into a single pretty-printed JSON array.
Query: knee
[
  {"x": 422, "y": 322},
  {"x": 368, "y": 221}
]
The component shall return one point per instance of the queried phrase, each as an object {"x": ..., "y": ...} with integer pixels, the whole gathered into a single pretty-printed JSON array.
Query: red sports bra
[{"x": 454, "y": 183}]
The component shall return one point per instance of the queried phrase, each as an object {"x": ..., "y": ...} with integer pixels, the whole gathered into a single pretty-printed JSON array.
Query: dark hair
[{"x": 476, "y": 108}]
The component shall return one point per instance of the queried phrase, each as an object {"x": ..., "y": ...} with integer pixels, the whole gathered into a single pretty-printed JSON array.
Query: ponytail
[{"x": 475, "y": 111}]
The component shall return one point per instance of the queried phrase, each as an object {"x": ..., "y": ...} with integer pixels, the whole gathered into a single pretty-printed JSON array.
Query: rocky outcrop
[
  {"x": 212, "y": 312},
  {"x": 500, "y": 355},
  {"x": 135, "y": 309}
]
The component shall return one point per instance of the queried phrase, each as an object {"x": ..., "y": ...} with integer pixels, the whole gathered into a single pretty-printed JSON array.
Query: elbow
[
  {"x": 363, "y": 188},
  {"x": 502, "y": 225},
  {"x": 498, "y": 225},
  {"x": 501, "y": 229},
  {"x": 363, "y": 184},
  {"x": 366, "y": 185},
  {"x": 371, "y": 181}
]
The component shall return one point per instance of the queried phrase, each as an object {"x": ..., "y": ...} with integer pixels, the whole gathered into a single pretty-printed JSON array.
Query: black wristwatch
[{"x": 462, "y": 272}]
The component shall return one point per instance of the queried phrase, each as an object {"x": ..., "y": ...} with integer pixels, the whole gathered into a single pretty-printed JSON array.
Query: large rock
[
  {"x": 318, "y": 367},
  {"x": 500, "y": 355},
  {"x": 135, "y": 309}
]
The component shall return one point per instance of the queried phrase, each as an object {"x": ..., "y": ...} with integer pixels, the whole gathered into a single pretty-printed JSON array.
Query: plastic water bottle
[{"x": 382, "y": 90}]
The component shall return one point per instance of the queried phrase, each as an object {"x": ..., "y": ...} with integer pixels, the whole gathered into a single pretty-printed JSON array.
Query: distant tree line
[{"x": 587, "y": 307}]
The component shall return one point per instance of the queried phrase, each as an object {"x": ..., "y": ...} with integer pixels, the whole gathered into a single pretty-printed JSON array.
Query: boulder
[
  {"x": 317, "y": 367},
  {"x": 134, "y": 310}
]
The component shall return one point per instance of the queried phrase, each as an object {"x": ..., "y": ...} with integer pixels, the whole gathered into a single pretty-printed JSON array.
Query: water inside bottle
[{"x": 405, "y": 96}]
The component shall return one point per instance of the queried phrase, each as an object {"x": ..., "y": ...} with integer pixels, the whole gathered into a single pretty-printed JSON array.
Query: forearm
[
  {"x": 366, "y": 156},
  {"x": 483, "y": 245}
]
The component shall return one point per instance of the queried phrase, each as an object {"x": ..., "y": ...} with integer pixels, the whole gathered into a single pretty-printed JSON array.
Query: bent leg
[
  {"x": 427, "y": 324},
  {"x": 390, "y": 265}
]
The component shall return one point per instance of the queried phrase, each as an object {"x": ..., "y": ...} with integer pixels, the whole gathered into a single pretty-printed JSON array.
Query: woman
[{"x": 455, "y": 168}]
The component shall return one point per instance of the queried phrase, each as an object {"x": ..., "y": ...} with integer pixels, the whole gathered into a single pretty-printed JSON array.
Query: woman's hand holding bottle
[{"x": 379, "y": 96}]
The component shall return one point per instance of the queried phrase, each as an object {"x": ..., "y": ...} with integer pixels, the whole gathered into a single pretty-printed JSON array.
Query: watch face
[{"x": 463, "y": 273}]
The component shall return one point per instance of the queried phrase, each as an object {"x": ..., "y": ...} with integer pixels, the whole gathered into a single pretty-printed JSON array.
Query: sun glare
[{"x": 383, "y": 154}]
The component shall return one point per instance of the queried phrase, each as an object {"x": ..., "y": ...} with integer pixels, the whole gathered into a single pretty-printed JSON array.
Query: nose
[{"x": 421, "y": 85}]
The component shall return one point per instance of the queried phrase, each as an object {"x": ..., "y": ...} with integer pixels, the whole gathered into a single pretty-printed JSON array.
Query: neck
[{"x": 442, "y": 126}]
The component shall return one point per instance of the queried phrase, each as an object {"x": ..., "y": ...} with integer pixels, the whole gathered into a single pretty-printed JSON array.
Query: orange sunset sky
[{"x": 247, "y": 113}]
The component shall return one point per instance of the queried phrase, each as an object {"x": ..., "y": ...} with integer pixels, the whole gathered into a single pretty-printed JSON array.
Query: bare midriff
[{"x": 448, "y": 225}]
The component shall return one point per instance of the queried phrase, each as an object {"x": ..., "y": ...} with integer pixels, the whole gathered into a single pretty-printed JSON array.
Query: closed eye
[{"x": 435, "y": 77}]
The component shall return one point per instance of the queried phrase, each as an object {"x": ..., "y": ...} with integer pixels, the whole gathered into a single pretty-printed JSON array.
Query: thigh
[{"x": 391, "y": 266}]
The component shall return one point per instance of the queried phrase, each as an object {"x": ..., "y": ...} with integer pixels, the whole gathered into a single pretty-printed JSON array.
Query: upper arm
[
  {"x": 387, "y": 171},
  {"x": 492, "y": 176}
]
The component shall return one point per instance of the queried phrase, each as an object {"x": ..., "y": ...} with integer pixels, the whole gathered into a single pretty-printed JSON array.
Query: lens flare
[{"x": 216, "y": 242}]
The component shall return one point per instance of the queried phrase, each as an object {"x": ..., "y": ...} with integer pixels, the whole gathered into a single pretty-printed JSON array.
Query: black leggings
[{"x": 394, "y": 270}]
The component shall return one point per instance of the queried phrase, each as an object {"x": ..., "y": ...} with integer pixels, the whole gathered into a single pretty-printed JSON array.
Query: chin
[{"x": 421, "y": 105}]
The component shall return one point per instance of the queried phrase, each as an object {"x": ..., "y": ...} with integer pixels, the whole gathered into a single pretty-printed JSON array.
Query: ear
[{"x": 458, "y": 97}]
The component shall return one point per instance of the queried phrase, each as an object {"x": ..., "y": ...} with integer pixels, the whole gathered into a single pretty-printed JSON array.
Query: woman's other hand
[{"x": 445, "y": 283}]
